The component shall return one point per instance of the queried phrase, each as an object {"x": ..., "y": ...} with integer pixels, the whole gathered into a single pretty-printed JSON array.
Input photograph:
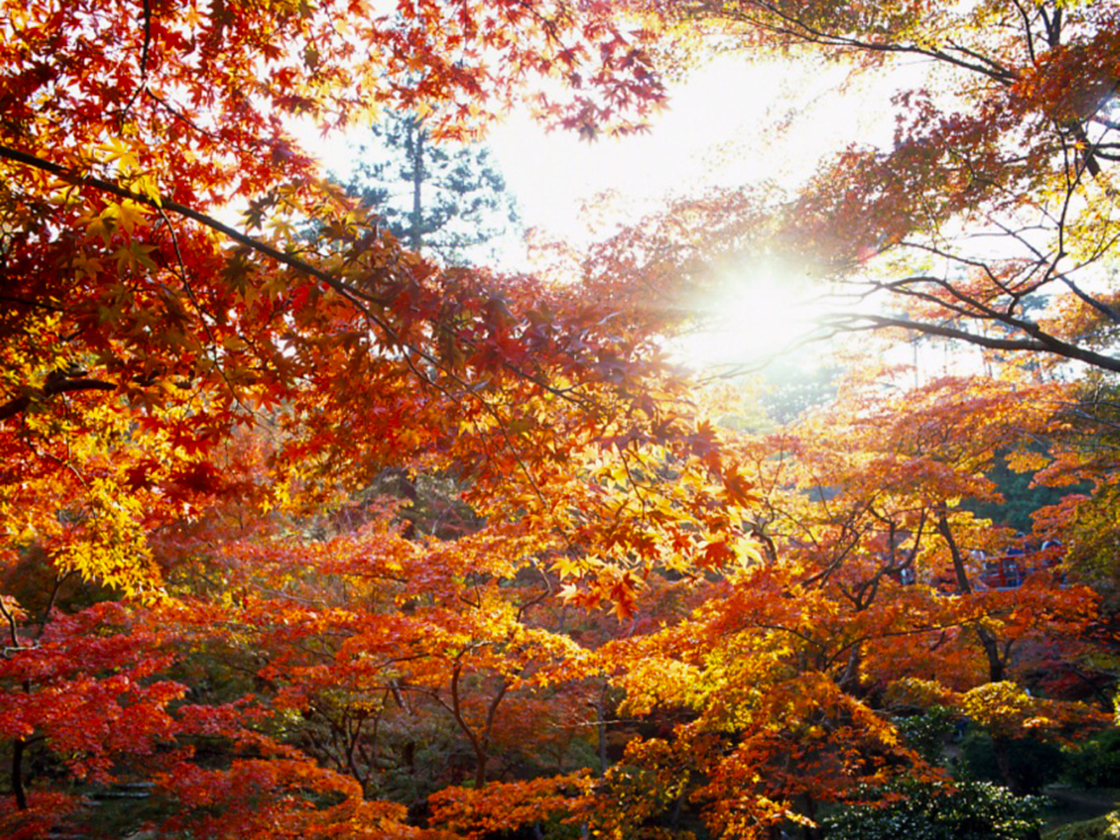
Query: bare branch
[{"x": 1040, "y": 342}]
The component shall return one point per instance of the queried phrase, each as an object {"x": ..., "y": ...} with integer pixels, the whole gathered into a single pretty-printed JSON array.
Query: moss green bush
[
  {"x": 1102, "y": 828},
  {"x": 1032, "y": 764}
]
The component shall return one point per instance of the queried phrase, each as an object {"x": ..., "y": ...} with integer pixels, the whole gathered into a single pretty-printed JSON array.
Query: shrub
[
  {"x": 1031, "y": 764},
  {"x": 1096, "y": 762},
  {"x": 928, "y": 732},
  {"x": 1101, "y": 828},
  {"x": 915, "y": 810}
]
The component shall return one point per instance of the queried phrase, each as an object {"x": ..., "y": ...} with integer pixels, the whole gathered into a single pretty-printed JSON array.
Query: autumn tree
[
  {"x": 186, "y": 399},
  {"x": 144, "y": 339},
  {"x": 995, "y": 190},
  {"x": 195, "y": 414},
  {"x": 992, "y": 196},
  {"x": 858, "y": 599}
]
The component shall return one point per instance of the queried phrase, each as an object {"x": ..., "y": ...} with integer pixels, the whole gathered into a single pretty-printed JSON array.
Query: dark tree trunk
[
  {"x": 988, "y": 641},
  {"x": 17, "y": 774}
]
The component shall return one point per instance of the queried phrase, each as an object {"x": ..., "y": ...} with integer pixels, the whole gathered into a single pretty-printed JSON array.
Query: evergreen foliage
[
  {"x": 443, "y": 198},
  {"x": 1095, "y": 762},
  {"x": 933, "y": 811}
]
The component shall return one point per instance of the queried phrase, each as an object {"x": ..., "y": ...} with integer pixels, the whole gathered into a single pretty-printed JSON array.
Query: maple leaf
[{"x": 349, "y": 482}]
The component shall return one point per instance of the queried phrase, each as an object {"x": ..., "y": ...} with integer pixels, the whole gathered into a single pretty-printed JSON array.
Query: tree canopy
[
  {"x": 996, "y": 186},
  {"x": 310, "y": 535}
]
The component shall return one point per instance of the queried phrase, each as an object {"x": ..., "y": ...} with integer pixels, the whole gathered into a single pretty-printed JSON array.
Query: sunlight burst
[{"x": 754, "y": 313}]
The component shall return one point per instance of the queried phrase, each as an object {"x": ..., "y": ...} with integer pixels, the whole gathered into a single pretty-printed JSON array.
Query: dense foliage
[
  {"x": 312, "y": 536},
  {"x": 965, "y": 811}
]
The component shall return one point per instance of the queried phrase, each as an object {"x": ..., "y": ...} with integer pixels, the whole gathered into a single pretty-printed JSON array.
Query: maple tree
[
  {"x": 992, "y": 197},
  {"x": 861, "y": 584},
  {"x": 177, "y": 388},
  {"x": 324, "y": 539},
  {"x": 994, "y": 192}
]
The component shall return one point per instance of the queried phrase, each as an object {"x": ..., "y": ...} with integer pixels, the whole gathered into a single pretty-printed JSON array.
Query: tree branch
[
  {"x": 60, "y": 386},
  {"x": 795, "y": 27},
  {"x": 1098, "y": 305},
  {"x": 351, "y": 294},
  {"x": 1040, "y": 342}
]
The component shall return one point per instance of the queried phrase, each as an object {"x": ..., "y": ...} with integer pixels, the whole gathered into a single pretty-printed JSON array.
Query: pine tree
[{"x": 446, "y": 199}]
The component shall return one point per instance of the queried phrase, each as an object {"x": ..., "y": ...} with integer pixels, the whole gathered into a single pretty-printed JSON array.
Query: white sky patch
[{"x": 732, "y": 122}]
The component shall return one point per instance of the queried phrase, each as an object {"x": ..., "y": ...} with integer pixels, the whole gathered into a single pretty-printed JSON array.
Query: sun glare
[{"x": 753, "y": 314}]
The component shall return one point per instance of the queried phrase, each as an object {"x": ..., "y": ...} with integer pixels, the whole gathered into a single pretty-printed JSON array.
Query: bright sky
[{"x": 718, "y": 131}]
